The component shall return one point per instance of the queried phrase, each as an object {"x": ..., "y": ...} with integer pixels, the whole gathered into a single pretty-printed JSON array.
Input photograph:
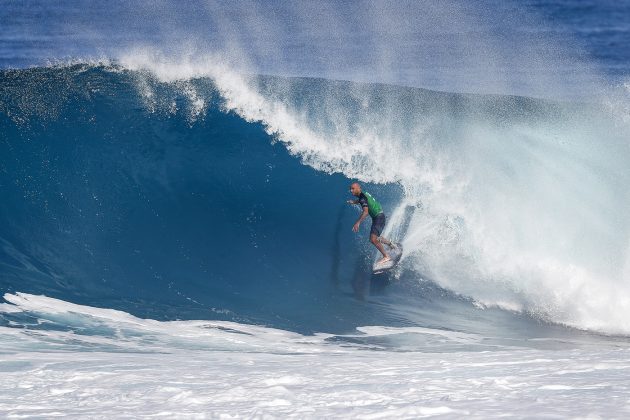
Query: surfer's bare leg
[
  {"x": 379, "y": 246},
  {"x": 385, "y": 241}
]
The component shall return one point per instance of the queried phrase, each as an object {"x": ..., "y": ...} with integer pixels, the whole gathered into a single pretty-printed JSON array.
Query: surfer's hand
[{"x": 355, "y": 228}]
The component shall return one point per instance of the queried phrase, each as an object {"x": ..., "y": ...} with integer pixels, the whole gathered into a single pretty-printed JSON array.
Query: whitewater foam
[{"x": 105, "y": 363}]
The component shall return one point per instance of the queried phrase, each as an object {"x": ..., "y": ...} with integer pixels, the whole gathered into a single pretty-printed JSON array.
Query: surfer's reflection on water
[{"x": 364, "y": 282}]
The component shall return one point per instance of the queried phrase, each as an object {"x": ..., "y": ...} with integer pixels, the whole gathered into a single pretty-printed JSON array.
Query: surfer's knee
[{"x": 373, "y": 239}]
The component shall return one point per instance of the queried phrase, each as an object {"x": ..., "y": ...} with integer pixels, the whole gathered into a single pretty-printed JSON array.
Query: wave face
[
  {"x": 110, "y": 204},
  {"x": 171, "y": 190}
]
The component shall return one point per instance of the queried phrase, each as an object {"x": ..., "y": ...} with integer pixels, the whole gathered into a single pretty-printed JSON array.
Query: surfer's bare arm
[{"x": 355, "y": 228}]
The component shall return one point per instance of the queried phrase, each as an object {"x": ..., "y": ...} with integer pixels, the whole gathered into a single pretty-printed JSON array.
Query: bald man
[{"x": 373, "y": 208}]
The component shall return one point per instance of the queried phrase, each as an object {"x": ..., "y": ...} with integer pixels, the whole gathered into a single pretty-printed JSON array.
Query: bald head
[{"x": 355, "y": 189}]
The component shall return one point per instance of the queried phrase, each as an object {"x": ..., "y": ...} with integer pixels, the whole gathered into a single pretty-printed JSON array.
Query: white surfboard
[{"x": 395, "y": 254}]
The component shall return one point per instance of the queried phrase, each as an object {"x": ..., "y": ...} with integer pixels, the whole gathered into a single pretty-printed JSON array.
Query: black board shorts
[{"x": 378, "y": 224}]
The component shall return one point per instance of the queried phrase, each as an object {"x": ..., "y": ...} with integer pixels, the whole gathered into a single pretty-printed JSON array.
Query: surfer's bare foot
[{"x": 383, "y": 260}]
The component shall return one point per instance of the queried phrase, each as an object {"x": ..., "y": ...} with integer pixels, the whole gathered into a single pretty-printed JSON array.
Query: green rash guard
[{"x": 374, "y": 207}]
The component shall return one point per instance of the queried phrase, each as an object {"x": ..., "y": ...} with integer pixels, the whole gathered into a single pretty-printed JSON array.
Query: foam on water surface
[{"x": 201, "y": 369}]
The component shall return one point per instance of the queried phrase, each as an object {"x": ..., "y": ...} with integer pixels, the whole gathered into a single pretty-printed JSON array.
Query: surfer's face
[{"x": 355, "y": 189}]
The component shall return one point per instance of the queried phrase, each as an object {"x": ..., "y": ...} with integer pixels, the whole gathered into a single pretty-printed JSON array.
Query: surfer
[{"x": 373, "y": 208}]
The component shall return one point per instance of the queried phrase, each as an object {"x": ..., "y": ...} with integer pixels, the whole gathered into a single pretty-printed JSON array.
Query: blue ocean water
[
  {"x": 185, "y": 162},
  {"x": 174, "y": 237}
]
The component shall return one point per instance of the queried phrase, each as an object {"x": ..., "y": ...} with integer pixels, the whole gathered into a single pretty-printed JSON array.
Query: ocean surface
[{"x": 174, "y": 237}]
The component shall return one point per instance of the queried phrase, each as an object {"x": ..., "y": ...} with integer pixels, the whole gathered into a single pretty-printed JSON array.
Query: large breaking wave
[{"x": 165, "y": 188}]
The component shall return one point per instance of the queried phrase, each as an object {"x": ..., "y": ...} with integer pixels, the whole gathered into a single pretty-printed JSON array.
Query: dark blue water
[
  {"x": 106, "y": 203},
  {"x": 601, "y": 27}
]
